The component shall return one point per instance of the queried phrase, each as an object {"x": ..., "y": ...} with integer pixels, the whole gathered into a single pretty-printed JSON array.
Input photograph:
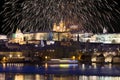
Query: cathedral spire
[
  {"x": 104, "y": 30},
  {"x": 18, "y": 31}
]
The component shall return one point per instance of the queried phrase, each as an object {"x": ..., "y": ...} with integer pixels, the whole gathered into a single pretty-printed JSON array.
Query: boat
[{"x": 62, "y": 61}]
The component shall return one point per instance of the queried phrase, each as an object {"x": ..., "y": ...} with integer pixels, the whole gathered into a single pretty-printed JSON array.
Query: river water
[{"x": 20, "y": 71}]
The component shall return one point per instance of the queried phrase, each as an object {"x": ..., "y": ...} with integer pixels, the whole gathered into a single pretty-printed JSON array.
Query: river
[{"x": 20, "y": 71}]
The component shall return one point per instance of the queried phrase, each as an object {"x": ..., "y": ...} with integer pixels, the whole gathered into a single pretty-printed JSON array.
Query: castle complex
[{"x": 59, "y": 33}]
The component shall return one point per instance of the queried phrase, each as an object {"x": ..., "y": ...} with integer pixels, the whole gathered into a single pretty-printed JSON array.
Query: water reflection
[
  {"x": 19, "y": 76},
  {"x": 60, "y": 72},
  {"x": 9, "y": 76}
]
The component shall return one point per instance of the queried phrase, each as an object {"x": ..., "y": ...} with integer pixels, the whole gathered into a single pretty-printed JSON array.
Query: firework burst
[{"x": 39, "y": 15}]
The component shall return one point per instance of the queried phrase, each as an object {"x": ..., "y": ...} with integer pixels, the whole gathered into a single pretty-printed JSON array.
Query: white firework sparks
[{"x": 39, "y": 15}]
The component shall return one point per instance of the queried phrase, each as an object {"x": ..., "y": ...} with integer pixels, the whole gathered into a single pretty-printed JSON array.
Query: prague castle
[{"x": 61, "y": 32}]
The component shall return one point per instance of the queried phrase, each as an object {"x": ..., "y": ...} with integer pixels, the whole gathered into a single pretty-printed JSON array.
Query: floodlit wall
[
  {"x": 103, "y": 38},
  {"x": 3, "y": 37},
  {"x": 58, "y": 36},
  {"x": 46, "y": 36}
]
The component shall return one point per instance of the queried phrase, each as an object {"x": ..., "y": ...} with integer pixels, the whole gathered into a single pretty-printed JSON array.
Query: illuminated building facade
[
  {"x": 60, "y": 32},
  {"x": 60, "y": 27},
  {"x": 83, "y": 37},
  {"x": 34, "y": 37},
  {"x": 17, "y": 37},
  {"x": 3, "y": 37}
]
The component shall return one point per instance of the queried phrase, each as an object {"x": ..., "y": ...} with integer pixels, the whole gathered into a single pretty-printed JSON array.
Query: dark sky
[
  {"x": 1, "y": 4},
  {"x": 117, "y": 29}
]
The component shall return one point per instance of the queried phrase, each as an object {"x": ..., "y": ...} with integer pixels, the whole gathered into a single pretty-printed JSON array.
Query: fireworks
[{"x": 39, "y": 15}]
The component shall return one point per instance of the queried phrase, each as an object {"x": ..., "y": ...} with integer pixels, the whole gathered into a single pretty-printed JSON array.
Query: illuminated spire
[
  {"x": 61, "y": 24},
  {"x": 60, "y": 27},
  {"x": 54, "y": 27},
  {"x": 104, "y": 30},
  {"x": 18, "y": 31}
]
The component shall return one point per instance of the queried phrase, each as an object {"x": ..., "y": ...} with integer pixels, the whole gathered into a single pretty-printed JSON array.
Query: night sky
[
  {"x": 116, "y": 26},
  {"x": 1, "y": 4}
]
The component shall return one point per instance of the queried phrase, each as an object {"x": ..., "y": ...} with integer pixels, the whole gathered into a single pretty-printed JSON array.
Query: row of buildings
[
  {"x": 40, "y": 43},
  {"x": 59, "y": 33},
  {"x": 34, "y": 37}
]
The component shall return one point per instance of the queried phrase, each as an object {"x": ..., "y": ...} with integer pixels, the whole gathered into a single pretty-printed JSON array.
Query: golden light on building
[
  {"x": 62, "y": 31},
  {"x": 10, "y": 55},
  {"x": 46, "y": 57},
  {"x": 73, "y": 57},
  {"x": 54, "y": 27},
  {"x": 60, "y": 27},
  {"x": 17, "y": 37}
]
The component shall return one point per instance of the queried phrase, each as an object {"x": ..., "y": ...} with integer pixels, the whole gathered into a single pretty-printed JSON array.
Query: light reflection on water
[
  {"x": 59, "y": 72},
  {"x": 9, "y": 76}
]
